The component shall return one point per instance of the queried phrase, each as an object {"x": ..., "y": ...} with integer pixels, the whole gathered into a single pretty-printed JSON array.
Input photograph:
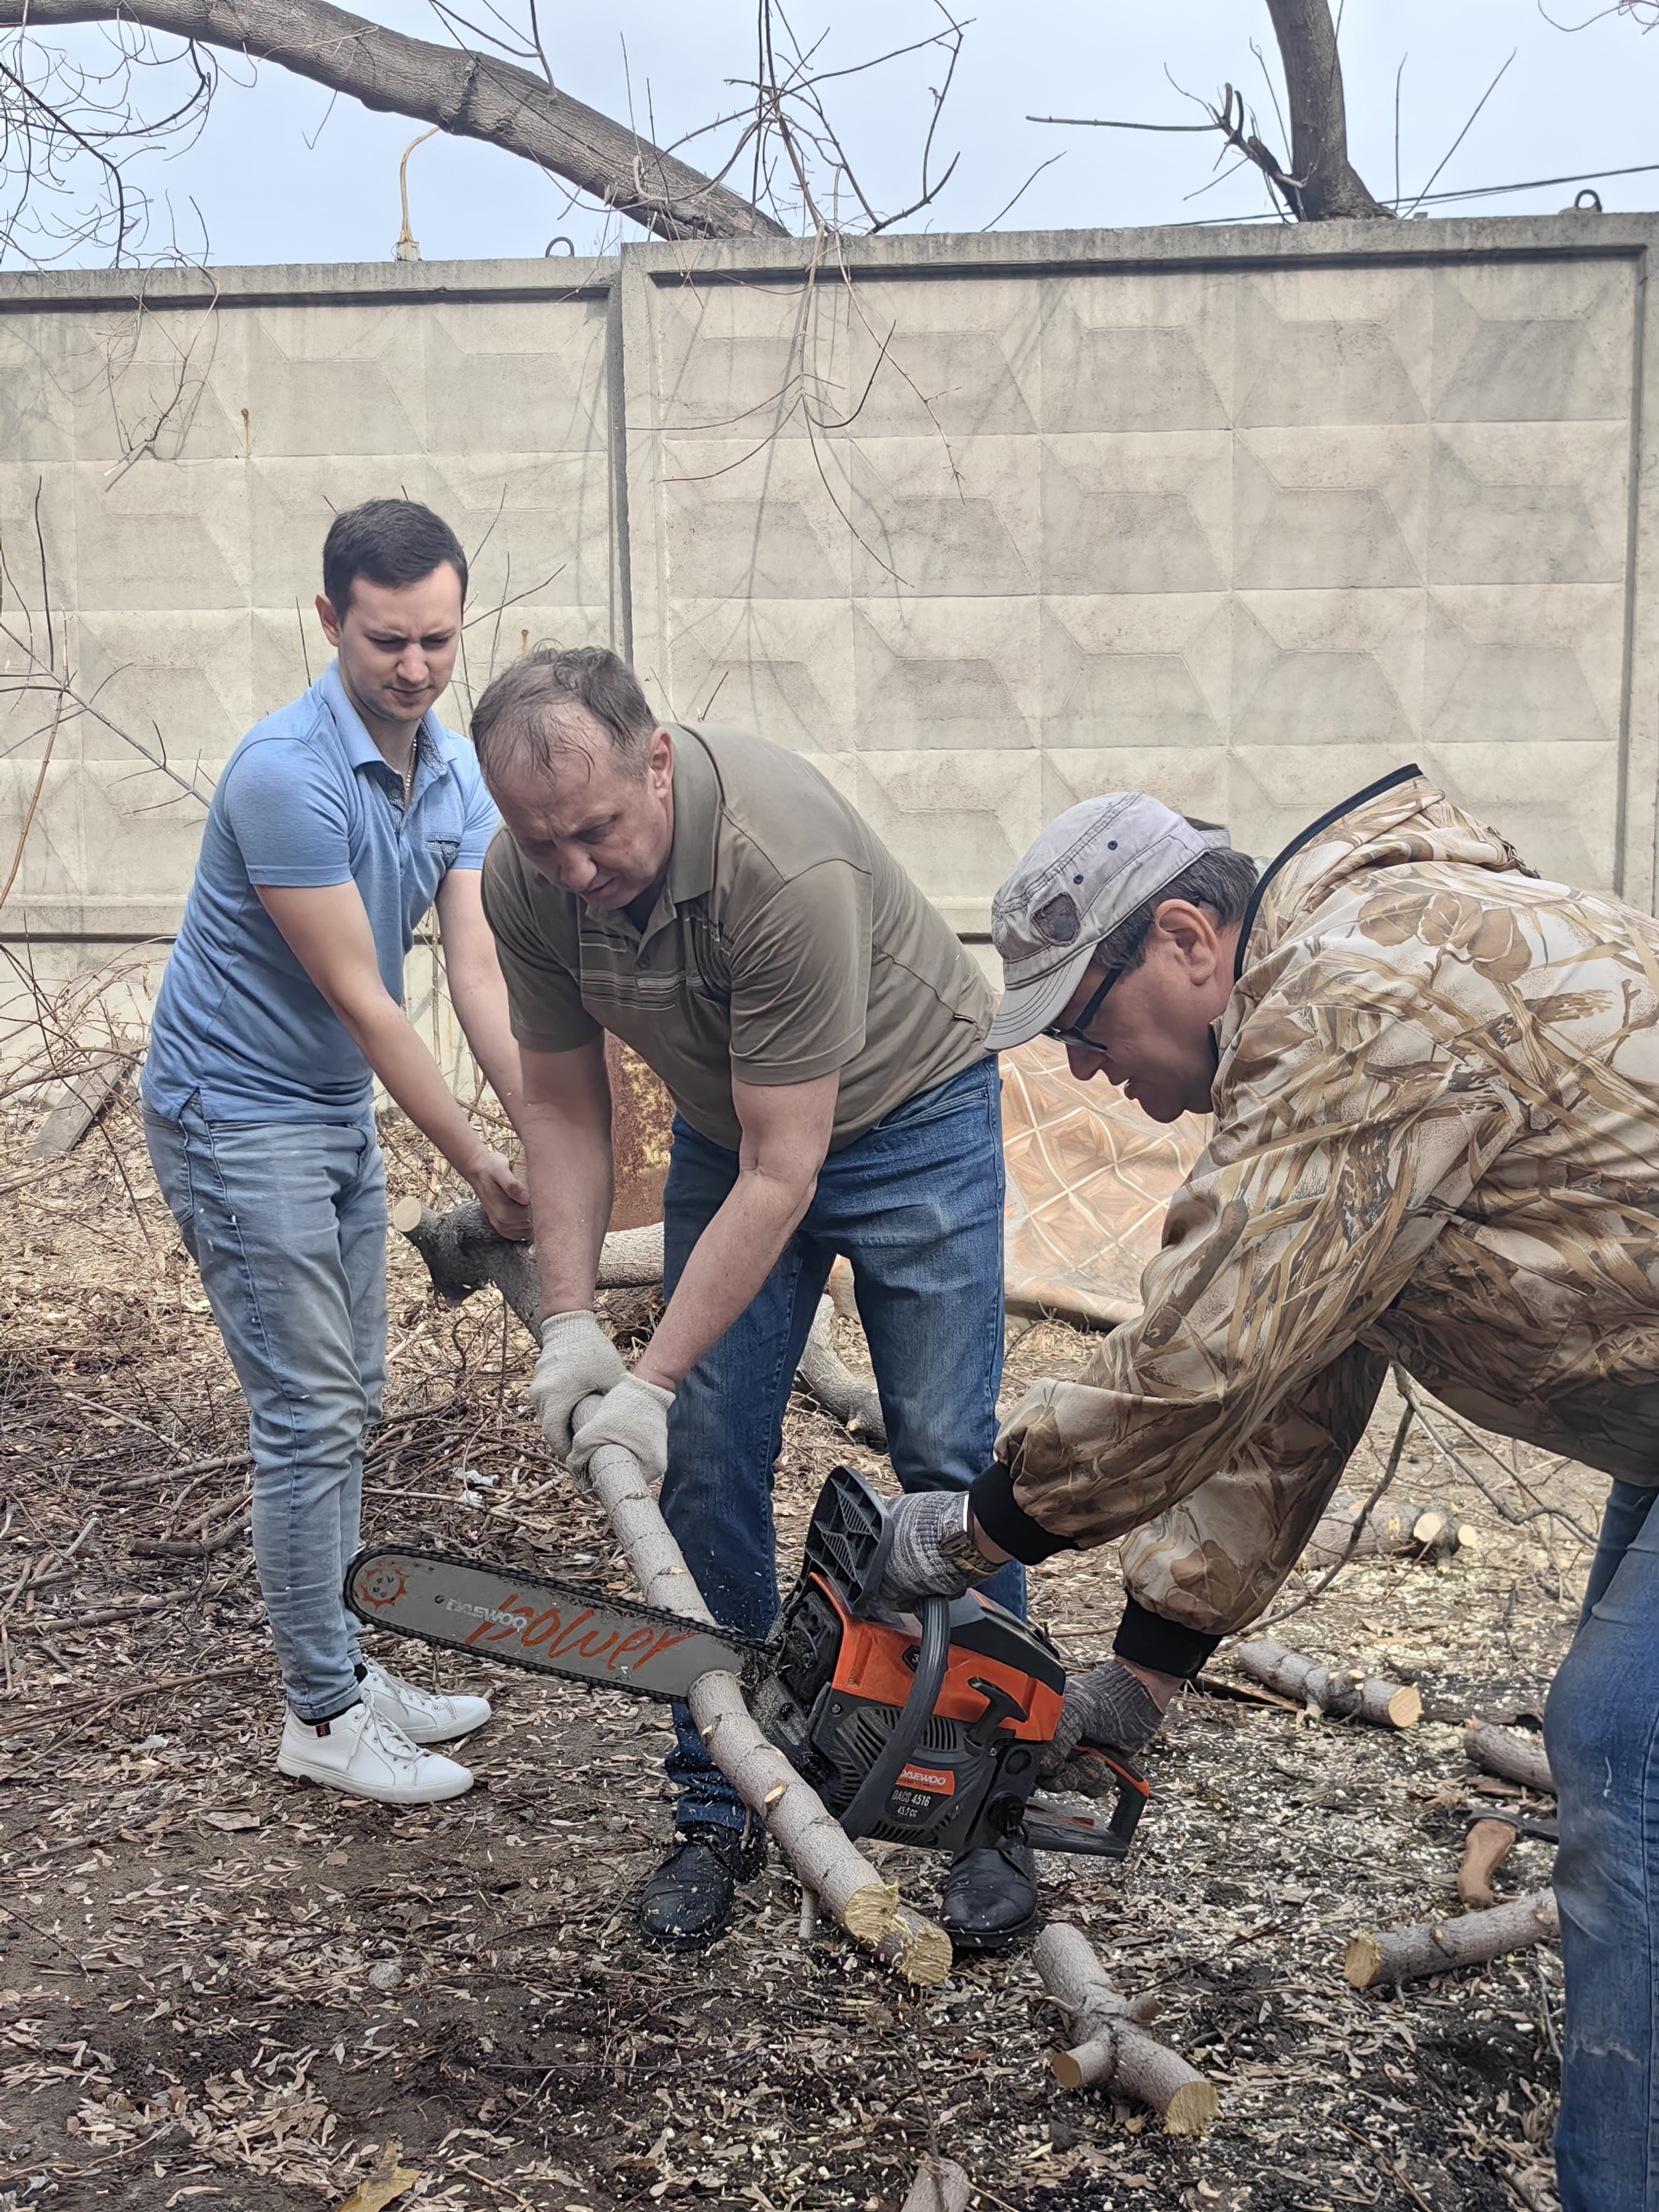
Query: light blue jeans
[
  {"x": 1602, "y": 1732},
  {"x": 917, "y": 1205},
  {"x": 287, "y": 1222}
]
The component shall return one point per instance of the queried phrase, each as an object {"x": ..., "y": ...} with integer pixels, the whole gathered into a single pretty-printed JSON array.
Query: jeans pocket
[
  {"x": 969, "y": 1092},
  {"x": 169, "y": 1153}
]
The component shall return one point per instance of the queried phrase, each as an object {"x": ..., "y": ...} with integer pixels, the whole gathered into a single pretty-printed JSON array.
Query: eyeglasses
[{"x": 1077, "y": 1033}]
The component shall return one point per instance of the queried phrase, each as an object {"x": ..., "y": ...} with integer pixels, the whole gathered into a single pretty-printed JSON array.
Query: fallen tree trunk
[
  {"x": 1410, "y": 1952},
  {"x": 847, "y": 1888},
  {"x": 1113, "y": 2044},
  {"x": 462, "y": 1252},
  {"x": 1343, "y": 1696},
  {"x": 1515, "y": 1758}
]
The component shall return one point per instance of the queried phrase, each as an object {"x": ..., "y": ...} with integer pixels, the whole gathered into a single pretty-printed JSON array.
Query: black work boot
[
  {"x": 687, "y": 1901},
  {"x": 990, "y": 1897}
]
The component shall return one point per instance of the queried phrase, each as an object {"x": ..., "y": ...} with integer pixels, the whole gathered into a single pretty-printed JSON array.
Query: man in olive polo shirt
[{"x": 714, "y": 902}]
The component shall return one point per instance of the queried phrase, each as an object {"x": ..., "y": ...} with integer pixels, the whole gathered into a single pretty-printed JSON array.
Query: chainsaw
[{"x": 926, "y": 1729}]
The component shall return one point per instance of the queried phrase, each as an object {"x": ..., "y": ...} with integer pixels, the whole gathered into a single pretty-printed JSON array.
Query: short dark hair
[
  {"x": 1220, "y": 879},
  {"x": 392, "y": 542},
  {"x": 526, "y": 712}
]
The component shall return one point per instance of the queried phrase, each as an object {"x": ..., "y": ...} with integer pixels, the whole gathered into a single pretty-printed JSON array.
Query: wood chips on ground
[{"x": 221, "y": 1988}]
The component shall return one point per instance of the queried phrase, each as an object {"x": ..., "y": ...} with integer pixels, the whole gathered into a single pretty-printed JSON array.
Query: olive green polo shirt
[{"x": 786, "y": 943}]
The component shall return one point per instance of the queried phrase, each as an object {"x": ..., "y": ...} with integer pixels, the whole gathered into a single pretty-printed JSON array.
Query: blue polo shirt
[{"x": 305, "y": 800}]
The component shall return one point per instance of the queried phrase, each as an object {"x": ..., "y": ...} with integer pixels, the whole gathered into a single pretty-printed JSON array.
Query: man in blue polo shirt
[{"x": 337, "y": 823}]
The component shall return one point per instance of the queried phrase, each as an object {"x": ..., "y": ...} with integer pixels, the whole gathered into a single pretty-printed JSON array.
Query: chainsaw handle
[{"x": 878, "y": 1785}]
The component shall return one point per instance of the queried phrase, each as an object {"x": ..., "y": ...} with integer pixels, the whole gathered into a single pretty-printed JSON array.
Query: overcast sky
[{"x": 1569, "y": 102}]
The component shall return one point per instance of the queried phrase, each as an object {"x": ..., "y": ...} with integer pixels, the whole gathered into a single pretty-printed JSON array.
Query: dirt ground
[{"x": 221, "y": 1985}]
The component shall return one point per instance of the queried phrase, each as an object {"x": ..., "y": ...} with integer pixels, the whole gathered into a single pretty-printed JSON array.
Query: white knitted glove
[
  {"x": 578, "y": 1359},
  {"x": 1108, "y": 1706},
  {"x": 635, "y": 1414}
]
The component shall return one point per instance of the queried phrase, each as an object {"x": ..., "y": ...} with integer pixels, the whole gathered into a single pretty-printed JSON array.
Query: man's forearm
[
  {"x": 568, "y": 1166},
  {"x": 480, "y": 1003},
  {"x": 731, "y": 1259},
  {"x": 388, "y": 1041}
]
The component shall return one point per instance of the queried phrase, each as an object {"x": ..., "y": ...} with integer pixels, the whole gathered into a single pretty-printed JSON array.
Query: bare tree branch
[
  {"x": 468, "y": 94},
  {"x": 1320, "y": 182}
]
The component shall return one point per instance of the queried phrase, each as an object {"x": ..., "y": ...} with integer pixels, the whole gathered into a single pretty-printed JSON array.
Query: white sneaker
[
  {"x": 368, "y": 1757},
  {"x": 423, "y": 1716}
]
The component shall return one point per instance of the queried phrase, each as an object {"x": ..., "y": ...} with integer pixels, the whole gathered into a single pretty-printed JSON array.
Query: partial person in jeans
[
  {"x": 337, "y": 823},
  {"x": 1435, "y": 1085},
  {"x": 712, "y": 900}
]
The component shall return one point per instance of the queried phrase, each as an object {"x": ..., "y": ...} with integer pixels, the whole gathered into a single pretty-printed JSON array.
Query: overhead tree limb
[
  {"x": 470, "y": 95},
  {"x": 1323, "y": 183}
]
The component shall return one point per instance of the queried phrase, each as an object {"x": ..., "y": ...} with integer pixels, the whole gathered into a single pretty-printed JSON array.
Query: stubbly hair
[
  {"x": 1220, "y": 879},
  {"x": 533, "y": 712},
  {"x": 392, "y": 542}
]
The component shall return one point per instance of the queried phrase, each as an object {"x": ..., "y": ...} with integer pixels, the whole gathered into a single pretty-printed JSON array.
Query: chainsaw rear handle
[{"x": 870, "y": 1805}]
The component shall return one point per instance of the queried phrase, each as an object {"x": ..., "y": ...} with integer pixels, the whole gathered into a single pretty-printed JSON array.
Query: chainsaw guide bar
[{"x": 569, "y": 1630}]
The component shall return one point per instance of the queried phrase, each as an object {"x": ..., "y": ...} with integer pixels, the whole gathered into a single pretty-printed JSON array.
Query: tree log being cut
[
  {"x": 1515, "y": 1758},
  {"x": 1113, "y": 2046},
  {"x": 846, "y": 1886},
  {"x": 1343, "y": 1695},
  {"x": 1437, "y": 1948},
  {"x": 462, "y": 1252}
]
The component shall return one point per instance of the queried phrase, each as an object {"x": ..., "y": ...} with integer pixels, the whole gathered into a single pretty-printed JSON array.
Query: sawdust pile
[{"x": 220, "y": 1986}]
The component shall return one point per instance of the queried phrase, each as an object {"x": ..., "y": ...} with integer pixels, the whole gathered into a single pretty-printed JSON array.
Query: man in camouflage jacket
[{"x": 1435, "y": 1084}]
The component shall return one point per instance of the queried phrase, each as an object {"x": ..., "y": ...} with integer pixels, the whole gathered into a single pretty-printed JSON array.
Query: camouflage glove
[
  {"x": 933, "y": 1554},
  {"x": 1107, "y": 1706}
]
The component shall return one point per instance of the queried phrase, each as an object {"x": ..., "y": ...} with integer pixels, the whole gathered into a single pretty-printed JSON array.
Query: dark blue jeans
[
  {"x": 917, "y": 1205},
  {"x": 1601, "y": 1731}
]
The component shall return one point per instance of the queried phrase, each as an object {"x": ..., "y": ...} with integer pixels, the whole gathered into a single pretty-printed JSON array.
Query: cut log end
[
  {"x": 1362, "y": 1961},
  {"x": 915, "y": 1947},
  {"x": 1404, "y": 1708},
  {"x": 406, "y": 1215},
  {"x": 1068, "y": 2070},
  {"x": 1192, "y": 2109}
]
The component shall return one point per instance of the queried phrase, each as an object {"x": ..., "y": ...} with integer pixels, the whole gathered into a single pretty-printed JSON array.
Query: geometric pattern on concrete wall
[
  {"x": 1248, "y": 537},
  {"x": 983, "y": 527},
  {"x": 182, "y": 583}
]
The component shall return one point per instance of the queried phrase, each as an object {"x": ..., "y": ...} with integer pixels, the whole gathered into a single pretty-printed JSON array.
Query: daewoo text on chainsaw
[{"x": 926, "y": 1731}]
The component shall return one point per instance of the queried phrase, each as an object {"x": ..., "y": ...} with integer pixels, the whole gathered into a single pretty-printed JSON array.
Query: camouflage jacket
[{"x": 1436, "y": 1141}]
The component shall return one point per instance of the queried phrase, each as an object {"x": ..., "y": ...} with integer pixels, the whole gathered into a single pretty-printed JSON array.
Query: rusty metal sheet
[{"x": 641, "y": 1115}]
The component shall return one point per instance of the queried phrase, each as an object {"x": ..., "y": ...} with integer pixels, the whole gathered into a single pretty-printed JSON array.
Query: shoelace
[
  {"x": 385, "y": 1737},
  {"x": 422, "y": 1700}
]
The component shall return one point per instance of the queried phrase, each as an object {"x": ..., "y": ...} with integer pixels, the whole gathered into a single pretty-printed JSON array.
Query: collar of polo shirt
[
  {"x": 696, "y": 817},
  {"x": 360, "y": 749}
]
